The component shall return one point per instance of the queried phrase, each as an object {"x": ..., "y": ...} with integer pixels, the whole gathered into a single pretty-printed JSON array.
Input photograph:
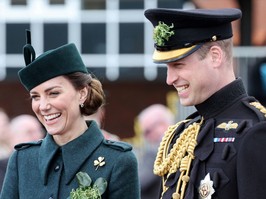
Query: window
[
  {"x": 131, "y": 4},
  {"x": 93, "y": 38},
  {"x": 55, "y": 34},
  {"x": 93, "y": 4},
  {"x": 18, "y": 2},
  {"x": 170, "y": 3},
  {"x": 56, "y": 2},
  {"x": 15, "y": 37},
  {"x": 131, "y": 38}
]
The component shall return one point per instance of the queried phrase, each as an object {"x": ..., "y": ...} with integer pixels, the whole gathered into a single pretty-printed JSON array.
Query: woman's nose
[{"x": 44, "y": 104}]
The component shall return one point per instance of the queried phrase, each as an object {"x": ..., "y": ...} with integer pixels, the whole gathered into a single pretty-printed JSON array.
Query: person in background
[
  {"x": 5, "y": 146},
  {"x": 22, "y": 128},
  {"x": 152, "y": 122},
  {"x": 99, "y": 117},
  {"x": 25, "y": 128},
  {"x": 218, "y": 151},
  {"x": 5, "y": 138},
  {"x": 3, "y": 165},
  {"x": 74, "y": 152}
]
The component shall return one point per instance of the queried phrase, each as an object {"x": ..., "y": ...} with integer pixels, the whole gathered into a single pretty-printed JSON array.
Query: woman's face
[{"x": 56, "y": 104}]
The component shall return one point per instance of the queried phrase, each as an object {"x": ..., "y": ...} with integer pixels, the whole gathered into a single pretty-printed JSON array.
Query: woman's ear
[
  {"x": 216, "y": 55},
  {"x": 83, "y": 94}
]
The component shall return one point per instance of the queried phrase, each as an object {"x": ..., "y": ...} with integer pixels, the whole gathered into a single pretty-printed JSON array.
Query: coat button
[{"x": 57, "y": 168}]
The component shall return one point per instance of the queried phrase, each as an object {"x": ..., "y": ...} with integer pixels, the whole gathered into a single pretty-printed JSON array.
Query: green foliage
[
  {"x": 162, "y": 32},
  {"x": 85, "y": 193},
  {"x": 83, "y": 179},
  {"x": 85, "y": 190}
]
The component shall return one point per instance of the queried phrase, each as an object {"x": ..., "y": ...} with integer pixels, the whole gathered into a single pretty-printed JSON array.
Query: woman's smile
[{"x": 52, "y": 116}]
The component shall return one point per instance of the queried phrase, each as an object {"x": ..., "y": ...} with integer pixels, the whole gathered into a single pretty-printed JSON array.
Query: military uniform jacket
[
  {"x": 231, "y": 147},
  {"x": 47, "y": 171}
]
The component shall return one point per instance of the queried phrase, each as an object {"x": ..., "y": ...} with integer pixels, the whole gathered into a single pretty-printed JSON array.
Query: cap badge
[
  {"x": 162, "y": 32},
  {"x": 205, "y": 189},
  {"x": 228, "y": 126},
  {"x": 99, "y": 162},
  {"x": 214, "y": 38}
]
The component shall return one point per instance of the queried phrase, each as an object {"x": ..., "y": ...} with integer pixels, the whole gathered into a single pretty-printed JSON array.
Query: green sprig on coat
[{"x": 86, "y": 190}]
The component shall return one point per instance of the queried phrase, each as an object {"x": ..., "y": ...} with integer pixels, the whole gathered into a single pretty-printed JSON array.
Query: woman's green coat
[{"x": 45, "y": 170}]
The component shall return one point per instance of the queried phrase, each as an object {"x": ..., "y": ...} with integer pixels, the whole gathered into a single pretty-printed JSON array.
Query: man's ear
[{"x": 216, "y": 55}]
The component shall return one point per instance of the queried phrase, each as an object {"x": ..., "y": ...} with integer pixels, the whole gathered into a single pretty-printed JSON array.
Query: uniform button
[
  {"x": 51, "y": 197},
  {"x": 57, "y": 168}
]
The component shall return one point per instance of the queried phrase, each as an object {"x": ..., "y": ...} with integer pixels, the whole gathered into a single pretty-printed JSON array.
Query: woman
[{"x": 62, "y": 92}]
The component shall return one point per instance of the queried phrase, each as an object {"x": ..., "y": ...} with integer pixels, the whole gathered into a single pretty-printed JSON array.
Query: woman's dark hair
[{"x": 96, "y": 96}]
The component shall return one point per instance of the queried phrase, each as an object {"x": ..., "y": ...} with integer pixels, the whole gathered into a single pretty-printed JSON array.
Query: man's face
[{"x": 193, "y": 78}]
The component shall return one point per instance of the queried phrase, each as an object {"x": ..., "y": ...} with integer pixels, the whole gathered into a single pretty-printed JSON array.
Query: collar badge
[{"x": 206, "y": 188}]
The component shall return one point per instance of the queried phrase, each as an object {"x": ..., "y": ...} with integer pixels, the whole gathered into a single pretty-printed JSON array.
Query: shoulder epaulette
[
  {"x": 27, "y": 145},
  {"x": 118, "y": 145},
  {"x": 259, "y": 109}
]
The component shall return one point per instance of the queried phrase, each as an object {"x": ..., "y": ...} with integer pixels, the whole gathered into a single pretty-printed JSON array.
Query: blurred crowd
[
  {"x": 22, "y": 128},
  {"x": 150, "y": 125}
]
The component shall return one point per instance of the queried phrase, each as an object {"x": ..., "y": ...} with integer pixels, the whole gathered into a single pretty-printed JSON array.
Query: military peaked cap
[{"x": 178, "y": 33}]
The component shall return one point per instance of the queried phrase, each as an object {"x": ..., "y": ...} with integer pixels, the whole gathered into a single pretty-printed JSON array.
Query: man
[
  {"x": 152, "y": 122},
  {"x": 218, "y": 152}
]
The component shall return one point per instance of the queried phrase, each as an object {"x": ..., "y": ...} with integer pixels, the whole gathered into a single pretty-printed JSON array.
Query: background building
[{"x": 115, "y": 41}]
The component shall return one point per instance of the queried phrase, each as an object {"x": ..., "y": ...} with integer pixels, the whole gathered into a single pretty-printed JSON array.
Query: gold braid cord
[
  {"x": 259, "y": 106},
  {"x": 180, "y": 156}
]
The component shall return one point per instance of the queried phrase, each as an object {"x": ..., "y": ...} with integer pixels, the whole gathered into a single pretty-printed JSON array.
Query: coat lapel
[
  {"x": 79, "y": 150},
  {"x": 47, "y": 151},
  {"x": 205, "y": 144}
]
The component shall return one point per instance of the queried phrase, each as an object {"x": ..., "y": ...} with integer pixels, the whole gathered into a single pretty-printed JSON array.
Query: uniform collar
[
  {"x": 80, "y": 149},
  {"x": 222, "y": 99}
]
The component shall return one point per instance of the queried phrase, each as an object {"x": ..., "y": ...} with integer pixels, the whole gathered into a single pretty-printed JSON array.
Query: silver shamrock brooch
[{"x": 99, "y": 162}]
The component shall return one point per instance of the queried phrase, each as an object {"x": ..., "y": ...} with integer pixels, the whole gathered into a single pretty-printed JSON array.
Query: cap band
[{"x": 173, "y": 55}]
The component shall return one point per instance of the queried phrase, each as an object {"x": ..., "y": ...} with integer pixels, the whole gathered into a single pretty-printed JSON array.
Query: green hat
[
  {"x": 60, "y": 61},
  {"x": 178, "y": 33}
]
